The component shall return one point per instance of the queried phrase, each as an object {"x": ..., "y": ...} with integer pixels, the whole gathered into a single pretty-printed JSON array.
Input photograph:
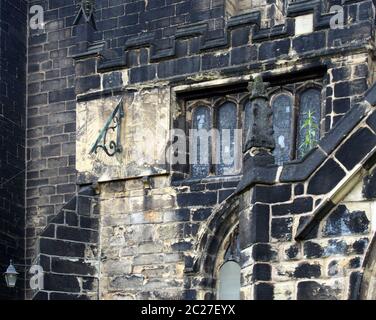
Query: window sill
[{"x": 209, "y": 179}]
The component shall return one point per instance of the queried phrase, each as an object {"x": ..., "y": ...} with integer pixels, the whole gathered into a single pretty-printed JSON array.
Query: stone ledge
[
  {"x": 299, "y": 7},
  {"x": 301, "y": 170},
  {"x": 258, "y": 175},
  {"x": 245, "y": 19}
]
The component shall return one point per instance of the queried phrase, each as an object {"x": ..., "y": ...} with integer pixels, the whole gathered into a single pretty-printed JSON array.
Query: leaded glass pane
[
  {"x": 226, "y": 124},
  {"x": 229, "y": 273},
  {"x": 282, "y": 124},
  {"x": 229, "y": 281},
  {"x": 200, "y": 143},
  {"x": 309, "y": 121}
]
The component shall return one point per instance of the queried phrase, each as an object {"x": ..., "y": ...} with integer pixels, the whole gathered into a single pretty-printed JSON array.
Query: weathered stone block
[
  {"x": 341, "y": 105},
  {"x": 299, "y": 189},
  {"x": 255, "y": 225},
  {"x": 326, "y": 178},
  {"x": 311, "y": 290},
  {"x": 61, "y": 248},
  {"x": 55, "y": 282},
  {"x": 181, "y": 246},
  {"x": 300, "y": 205},
  {"x": 310, "y": 42},
  {"x": 292, "y": 252},
  {"x": 59, "y": 265},
  {"x": 263, "y": 253},
  {"x": 243, "y": 55},
  {"x": 281, "y": 229},
  {"x": 274, "y": 49},
  {"x": 89, "y": 223},
  {"x": 273, "y": 194},
  {"x": 313, "y": 250},
  {"x": 363, "y": 141},
  {"x": 197, "y": 199},
  {"x": 359, "y": 246},
  {"x": 112, "y": 80},
  {"x": 261, "y": 272},
  {"x": 77, "y": 234},
  {"x": 341, "y": 37},
  {"x": 201, "y": 214},
  {"x": 214, "y": 61},
  {"x": 300, "y": 171},
  {"x": 85, "y": 84},
  {"x": 343, "y": 222},
  {"x": 263, "y": 291},
  {"x": 126, "y": 282},
  {"x": 306, "y": 270}
]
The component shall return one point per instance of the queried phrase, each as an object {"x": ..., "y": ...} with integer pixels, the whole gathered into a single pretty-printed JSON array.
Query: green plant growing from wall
[{"x": 310, "y": 130}]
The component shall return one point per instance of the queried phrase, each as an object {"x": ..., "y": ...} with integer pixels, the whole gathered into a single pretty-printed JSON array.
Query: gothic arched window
[
  {"x": 229, "y": 281},
  {"x": 226, "y": 148},
  {"x": 308, "y": 120},
  {"x": 200, "y": 143},
  {"x": 221, "y": 129},
  {"x": 282, "y": 105},
  {"x": 229, "y": 273},
  {"x": 215, "y": 137}
]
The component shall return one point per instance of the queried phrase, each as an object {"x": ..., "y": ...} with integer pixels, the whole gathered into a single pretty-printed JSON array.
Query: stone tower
[{"x": 104, "y": 107}]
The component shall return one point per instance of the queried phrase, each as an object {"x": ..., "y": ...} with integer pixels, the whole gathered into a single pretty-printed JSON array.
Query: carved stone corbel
[{"x": 260, "y": 132}]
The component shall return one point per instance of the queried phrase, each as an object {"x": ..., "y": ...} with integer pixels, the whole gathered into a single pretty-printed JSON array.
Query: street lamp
[{"x": 11, "y": 275}]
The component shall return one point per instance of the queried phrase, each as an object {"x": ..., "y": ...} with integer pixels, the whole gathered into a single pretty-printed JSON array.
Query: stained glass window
[
  {"x": 226, "y": 125},
  {"x": 296, "y": 125},
  {"x": 200, "y": 143},
  {"x": 308, "y": 133},
  {"x": 282, "y": 105}
]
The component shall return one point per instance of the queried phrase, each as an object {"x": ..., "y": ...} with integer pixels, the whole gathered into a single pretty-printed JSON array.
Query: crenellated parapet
[{"x": 275, "y": 20}]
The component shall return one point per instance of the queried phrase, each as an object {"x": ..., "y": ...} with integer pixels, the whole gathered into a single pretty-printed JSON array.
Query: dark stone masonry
[
  {"x": 13, "y": 69},
  {"x": 100, "y": 184}
]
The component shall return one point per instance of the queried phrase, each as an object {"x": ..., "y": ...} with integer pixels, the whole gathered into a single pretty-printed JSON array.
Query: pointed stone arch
[
  {"x": 367, "y": 288},
  {"x": 213, "y": 237}
]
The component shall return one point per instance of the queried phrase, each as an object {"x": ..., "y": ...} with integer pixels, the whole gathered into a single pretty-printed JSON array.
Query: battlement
[{"x": 271, "y": 12}]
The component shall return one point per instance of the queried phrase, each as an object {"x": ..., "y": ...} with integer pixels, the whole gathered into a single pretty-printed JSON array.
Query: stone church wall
[
  {"x": 327, "y": 264},
  {"x": 158, "y": 233}
]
